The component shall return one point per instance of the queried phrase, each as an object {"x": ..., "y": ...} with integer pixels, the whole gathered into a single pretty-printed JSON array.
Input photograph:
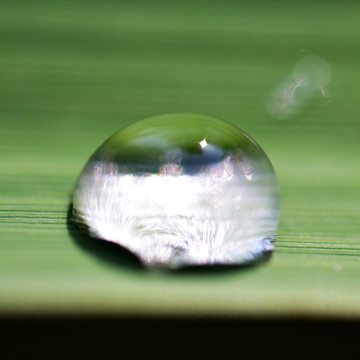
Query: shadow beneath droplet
[
  {"x": 118, "y": 256},
  {"x": 105, "y": 251}
]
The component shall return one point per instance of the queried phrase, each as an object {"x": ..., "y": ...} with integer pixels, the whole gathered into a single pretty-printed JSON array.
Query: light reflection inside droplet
[{"x": 203, "y": 144}]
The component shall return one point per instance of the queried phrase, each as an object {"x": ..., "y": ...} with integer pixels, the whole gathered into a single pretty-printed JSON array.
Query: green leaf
[{"x": 72, "y": 73}]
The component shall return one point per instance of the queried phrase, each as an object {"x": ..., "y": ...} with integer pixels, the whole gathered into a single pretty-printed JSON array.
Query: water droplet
[
  {"x": 180, "y": 189},
  {"x": 308, "y": 81}
]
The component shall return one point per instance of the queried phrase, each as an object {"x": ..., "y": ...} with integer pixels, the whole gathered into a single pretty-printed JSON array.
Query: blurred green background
[{"x": 74, "y": 72}]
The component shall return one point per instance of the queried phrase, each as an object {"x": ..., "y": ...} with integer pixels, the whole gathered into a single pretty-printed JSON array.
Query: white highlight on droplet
[
  {"x": 310, "y": 78},
  {"x": 203, "y": 144}
]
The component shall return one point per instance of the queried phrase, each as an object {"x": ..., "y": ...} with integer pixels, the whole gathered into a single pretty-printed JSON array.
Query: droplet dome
[{"x": 180, "y": 189}]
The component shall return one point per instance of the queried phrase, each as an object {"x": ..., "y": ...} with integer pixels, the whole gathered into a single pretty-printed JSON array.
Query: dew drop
[
  {"x": 307, "y": 84},
  {"x": 179, "y": 190}
]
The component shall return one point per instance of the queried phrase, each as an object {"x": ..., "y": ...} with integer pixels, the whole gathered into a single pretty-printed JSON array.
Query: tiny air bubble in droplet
[{"x": 179, "y": 190}]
